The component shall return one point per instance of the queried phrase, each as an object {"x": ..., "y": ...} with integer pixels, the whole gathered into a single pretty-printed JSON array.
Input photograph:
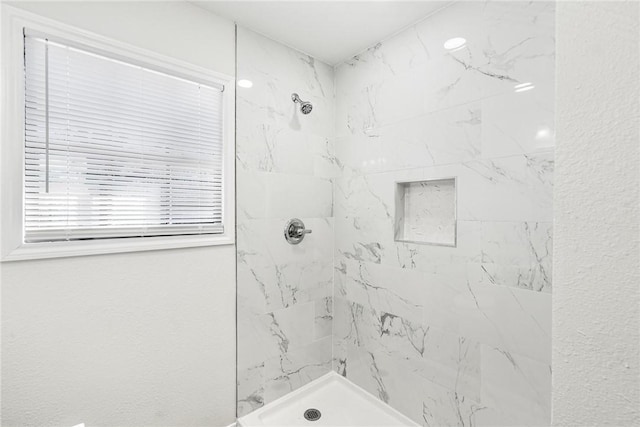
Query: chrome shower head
[{"x": 305, "y": 106}]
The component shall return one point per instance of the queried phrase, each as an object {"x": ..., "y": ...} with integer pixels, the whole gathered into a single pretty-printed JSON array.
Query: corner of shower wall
[
  {"x": 285, "y": 165},
  {"x": 450, "y": 335}
]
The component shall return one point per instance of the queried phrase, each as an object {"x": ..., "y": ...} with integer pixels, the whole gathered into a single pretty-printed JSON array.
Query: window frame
[{"x": 12, "y": 139}]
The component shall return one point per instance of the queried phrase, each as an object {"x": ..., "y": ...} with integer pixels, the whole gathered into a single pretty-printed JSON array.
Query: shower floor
[{"x": 341, "y": 403}]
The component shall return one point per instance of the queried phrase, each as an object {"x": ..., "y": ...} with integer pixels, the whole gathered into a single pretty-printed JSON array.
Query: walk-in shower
[{"x": 426, "y": 176}]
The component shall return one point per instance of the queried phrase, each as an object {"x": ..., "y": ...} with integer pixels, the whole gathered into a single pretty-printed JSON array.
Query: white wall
[
  {"x": 133, "y": 339},
  {"x": 596, "y": 298}
]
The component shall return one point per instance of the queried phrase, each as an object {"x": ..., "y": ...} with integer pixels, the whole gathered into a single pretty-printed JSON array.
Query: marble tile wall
[
  {"x": 284, "y": 165},
  {"x": 450, "y": 335}
]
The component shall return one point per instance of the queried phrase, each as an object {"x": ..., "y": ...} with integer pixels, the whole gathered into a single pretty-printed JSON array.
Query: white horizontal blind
[{"x": 117, "y": 150}]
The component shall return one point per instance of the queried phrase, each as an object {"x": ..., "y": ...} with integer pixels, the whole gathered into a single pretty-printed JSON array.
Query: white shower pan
[{"x": 340, "y": 403}]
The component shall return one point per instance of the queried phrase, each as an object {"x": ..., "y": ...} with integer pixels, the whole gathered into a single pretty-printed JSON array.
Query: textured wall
[
  {"x": 139, "y": 339},
  {"x": 450, "y": 336},
  {"x": 596, "y": 300},
  {"x": 284, "y": 166}
]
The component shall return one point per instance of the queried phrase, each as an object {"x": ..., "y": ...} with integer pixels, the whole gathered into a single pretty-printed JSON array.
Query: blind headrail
[{"x": 110, "y": 56}]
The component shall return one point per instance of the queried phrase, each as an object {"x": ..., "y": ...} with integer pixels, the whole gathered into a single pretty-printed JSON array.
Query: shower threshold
[{"x": 331, "y": 400}]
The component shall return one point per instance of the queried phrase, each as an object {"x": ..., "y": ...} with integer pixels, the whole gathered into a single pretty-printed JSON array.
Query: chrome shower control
[{"x": 294, "y": 231}]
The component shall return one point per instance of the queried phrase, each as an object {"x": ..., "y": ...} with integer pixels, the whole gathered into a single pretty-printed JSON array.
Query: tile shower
[{"x": 448, "y": 335}]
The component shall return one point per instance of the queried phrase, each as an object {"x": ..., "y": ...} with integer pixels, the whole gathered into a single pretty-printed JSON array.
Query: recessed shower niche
[{"x": 426, "y": 212}]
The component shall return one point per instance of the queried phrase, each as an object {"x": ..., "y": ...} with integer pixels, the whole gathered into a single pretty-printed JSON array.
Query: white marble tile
[
  {"x": 270, "y": 148},
  {"x": 447, "y": 136},
  {"x": 359, "y": 154},
  {"x": 516, "y": 388},
  {"x": 356, "y": 82},
  {"x": 514, "y": 320},
  {"x": 445, "y": 407},
  {"x": 363, "y": 239},
  {"x": 432, "y": 353},
  {"x": 361, "y": 112},
  {"x": 435, "y": 355},
  {"x": 323, "y": 326},
  {"x": 357, "y": 195},
  {"x": 504, "y": 43},
  {"x": 261, "y": 337},
  {"x": 518, "y": 42},
  {"x": 325, "y": 161},
  {"x": 403, "y": 52},
  {"x": 290, "y": 326},
  {"x": 253, "y": 340},
  {"x": 518, "y": 122},
  {"x": 381, "y": 288},
  {"x": 516, "y": 188},
  {"x": 252, "y": 297},
  {"x": 353, "y": 324},
  {"x": 287, "y": 372},
  {"x": 517, "y": 254},
  {"x": 250, "y": 389},
  {"x": 443, "y": 291},
  {"x": 250, "y": 183},
  {"x": 270, "y": 288},
  {"x": 371, "y": 195},
  {"x": 440, "y": 84},
  {"x": 298, "y": 196},
  {"x": 371, "y": 240},
  {"x": 403, "y": 387},
  {"x": 439, "y": 259}
]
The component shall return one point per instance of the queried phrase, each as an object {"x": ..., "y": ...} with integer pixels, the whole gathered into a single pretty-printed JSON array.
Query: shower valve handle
[
  {"x": 301, "y": 232},
  {"x": 295, "y": 231}
]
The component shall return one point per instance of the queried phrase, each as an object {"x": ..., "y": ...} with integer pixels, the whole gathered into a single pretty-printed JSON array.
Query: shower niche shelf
[{"x": 426, "y": 212}]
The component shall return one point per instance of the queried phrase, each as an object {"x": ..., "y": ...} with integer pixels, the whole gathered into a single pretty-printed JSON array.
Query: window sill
[{"x": 29, "y": 251}]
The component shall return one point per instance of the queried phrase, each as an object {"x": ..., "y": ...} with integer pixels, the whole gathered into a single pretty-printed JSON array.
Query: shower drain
[{"x": 312, "y": 414}]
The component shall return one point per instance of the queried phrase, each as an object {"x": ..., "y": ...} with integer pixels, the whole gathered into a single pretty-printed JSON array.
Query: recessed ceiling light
[
  {"x": 245, "y": 83},
  {"x": 455, "y": 43}
]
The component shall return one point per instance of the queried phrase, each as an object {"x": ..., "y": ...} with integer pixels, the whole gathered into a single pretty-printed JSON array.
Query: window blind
[{"x": 117, "y": 150}]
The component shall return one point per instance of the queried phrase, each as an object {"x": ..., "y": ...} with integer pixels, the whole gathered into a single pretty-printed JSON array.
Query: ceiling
[{"x": 331, "y": 31}]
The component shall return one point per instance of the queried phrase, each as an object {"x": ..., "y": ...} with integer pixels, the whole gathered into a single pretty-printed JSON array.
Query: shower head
[{"x": 305, "y": 106}]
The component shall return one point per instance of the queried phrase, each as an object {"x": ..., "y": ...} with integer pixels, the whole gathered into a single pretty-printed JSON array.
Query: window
[{"x": 117, "y": 149}]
